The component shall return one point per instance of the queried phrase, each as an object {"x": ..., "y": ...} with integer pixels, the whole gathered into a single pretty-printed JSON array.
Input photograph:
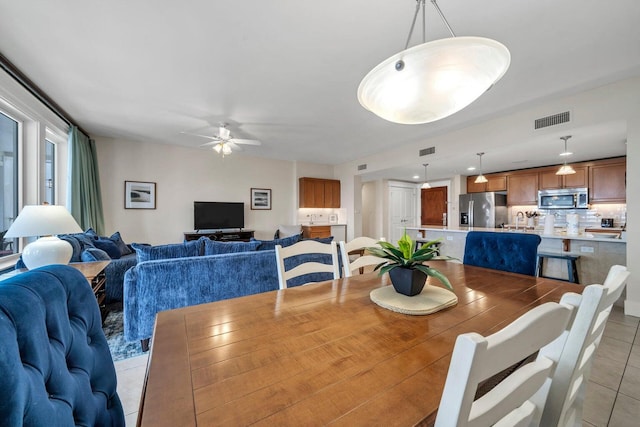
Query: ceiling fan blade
[
  {"x": 214, "y": 137},
  {"x": 234, "y": 147},
  {"x": 209, "y": 144},
  {"x": 245, "y": 141}
]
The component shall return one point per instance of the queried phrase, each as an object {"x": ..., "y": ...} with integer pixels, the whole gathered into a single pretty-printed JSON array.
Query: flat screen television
[{"x": 218, "y": 215}]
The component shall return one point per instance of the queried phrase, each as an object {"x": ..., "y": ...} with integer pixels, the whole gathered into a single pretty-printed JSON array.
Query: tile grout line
[{"x": 623, "y": 372}]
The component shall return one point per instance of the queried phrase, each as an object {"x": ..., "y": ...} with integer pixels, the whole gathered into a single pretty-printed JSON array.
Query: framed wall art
[
  {"x": 139, "y": 195},
  {"x": 260, "y": 198}
]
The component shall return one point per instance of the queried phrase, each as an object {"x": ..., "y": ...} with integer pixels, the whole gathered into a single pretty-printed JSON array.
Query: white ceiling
[{"x": 286, "y": 72}]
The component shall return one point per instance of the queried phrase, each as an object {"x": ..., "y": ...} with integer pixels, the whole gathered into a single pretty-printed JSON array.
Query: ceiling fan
[{"x": 224, "y": 143}]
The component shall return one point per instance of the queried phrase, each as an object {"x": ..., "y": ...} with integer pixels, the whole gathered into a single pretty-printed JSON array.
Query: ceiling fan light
[
  {"x": 426, "y": 185},
  {"x": 436, "y": 79},
  {"x": 226, "y": 149},
  {"x": 481, "y": 179},
  {"x": 218, "y": 148}
]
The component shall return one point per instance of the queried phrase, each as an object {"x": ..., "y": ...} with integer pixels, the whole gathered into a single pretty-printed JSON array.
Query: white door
[{"x": 402, "y": 211}]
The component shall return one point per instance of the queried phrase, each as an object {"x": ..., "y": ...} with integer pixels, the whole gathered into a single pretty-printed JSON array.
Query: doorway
[{"x": 433, "y": 209}]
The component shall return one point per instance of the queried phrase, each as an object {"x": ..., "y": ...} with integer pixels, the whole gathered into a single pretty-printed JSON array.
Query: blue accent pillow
[
  {"x": 108, "y": 246},
  {"x": 212, "y": 247},
  {"x": 94, "y": 254},
  {"x": 91, "y": 233},
  {"x": 173, "y": 250},
  {"x": 75, "y": 245},
  {"x": 86, "y": 240},
  {"x": 266, "y": 245},
  {"x": 117, "y": 239}
]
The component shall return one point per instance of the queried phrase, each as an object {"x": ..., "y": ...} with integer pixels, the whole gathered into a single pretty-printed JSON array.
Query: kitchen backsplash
[
  {"x": 321, "y": 215},
  {"x": 589, "y": 218}
]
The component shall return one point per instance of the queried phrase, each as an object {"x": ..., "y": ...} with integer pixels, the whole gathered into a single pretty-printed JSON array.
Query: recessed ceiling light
[
  {"x": 566, "y": 153},
  {"x": 471, "y": 168},
  {"x": 416, "y": 176}
]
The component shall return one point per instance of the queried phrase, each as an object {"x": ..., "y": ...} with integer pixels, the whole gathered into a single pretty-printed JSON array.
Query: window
[
  {"x": 50, "y": 172},
  {"x": 8, "y": 180}
]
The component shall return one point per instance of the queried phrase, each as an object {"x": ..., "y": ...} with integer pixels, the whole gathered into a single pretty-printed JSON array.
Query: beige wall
[{"x": 184, "y": 175}]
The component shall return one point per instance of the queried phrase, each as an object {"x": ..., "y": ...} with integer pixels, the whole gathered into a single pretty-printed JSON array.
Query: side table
[{"x": 95, "y": 274}]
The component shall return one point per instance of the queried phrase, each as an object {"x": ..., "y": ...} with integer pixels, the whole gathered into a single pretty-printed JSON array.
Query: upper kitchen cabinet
[
  {"x": 319, "y": 193},
  {"x": 495, "y": 182},
  {"x": 548, "y": 179},
  {"x": 608, "y": 182},
  {"x": 522, "y": 188}
]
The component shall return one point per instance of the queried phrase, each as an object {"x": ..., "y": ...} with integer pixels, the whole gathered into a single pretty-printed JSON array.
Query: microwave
[{"x": 563, "y": 198}]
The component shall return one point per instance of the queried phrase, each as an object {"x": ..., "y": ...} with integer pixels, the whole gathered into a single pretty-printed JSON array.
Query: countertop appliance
[
  {"x": 606, "y": 223},
  {"x": 483, "y": 209},
  {"x": 563, "y": 198}
]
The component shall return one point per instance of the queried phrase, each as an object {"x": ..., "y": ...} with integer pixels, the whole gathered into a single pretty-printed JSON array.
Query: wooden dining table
[{"x": 323, "y": 353}]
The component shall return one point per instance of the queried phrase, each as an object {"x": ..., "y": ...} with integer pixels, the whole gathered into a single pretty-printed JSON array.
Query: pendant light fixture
[
  {"x": 565, "y": 169},
  {"x": 481, "y": 179},
  {"x": 433, "y": 80},
  {"x": 426, "y": 184}
]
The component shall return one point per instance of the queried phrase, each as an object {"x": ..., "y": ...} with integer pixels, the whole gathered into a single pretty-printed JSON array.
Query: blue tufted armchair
[
  {"x": 55, "y": 365},
  {"x": 513, "y": 252}
]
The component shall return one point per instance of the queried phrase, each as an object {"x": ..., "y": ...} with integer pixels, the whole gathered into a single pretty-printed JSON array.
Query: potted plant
[{"x": 405, "y": 265}]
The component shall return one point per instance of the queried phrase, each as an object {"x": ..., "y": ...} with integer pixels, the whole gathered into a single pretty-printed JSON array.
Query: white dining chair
[
  {"x": 476, "y": 358},
  {"x": 363, "y": 260},
  {"x": 307, "y": 251},
  {"x": 564, "y": 393}
]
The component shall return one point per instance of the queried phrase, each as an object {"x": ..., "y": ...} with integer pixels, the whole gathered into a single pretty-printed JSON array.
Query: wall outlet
[
  {"x": 449, "y": 237},
  {"x": 587, "y": 249}
]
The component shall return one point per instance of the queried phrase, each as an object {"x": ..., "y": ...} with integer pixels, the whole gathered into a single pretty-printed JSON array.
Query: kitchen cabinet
[
  {"x": 495, "y": 182},
  {"x": 608, "y": 182},
  {"x": 522, "y": 189},
  {"x": 315, "y": 231},
  {"x": 548, "y": 179},
  {"x": 319, "y": 193}
]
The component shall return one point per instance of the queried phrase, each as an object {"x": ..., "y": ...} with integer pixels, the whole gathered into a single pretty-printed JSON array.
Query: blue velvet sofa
[
  {"x": 55, "y": 364},
  {"x": 225, "y": 270},
  {"x": 513, "y": 252}
]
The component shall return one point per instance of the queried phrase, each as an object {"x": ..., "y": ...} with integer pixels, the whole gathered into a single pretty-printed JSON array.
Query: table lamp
[{"x": 45, "y": 221}]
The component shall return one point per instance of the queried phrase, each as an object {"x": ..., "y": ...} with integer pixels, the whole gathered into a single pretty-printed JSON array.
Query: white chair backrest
[
  {"x": 564, "y": 394},
  {"x": 306, "y": 247},
  {"x": 476, "y": 358},
  {"x": 362, "y": 261}
]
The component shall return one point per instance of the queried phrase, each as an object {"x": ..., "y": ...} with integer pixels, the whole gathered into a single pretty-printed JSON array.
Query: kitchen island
[{"x": 597, "y": 253}]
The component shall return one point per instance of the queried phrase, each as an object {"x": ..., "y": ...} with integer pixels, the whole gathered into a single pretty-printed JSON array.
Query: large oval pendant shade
[{"x": 436, "y": 79}]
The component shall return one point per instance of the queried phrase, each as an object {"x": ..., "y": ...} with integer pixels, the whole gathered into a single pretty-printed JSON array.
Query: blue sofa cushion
[
  {"x": 94, "y": 254},
  {"x": 266, "y": 245},
  {"x": 174, "y": 250},
  {"x": 322, "y": 239},
  {"x": 212, "y": 247},
  {"x": 117, "y": 239},
  {"x": 513, "y": 252},
  {"x": 55, "y": 364},
  {"x": 108, "y": 246}
]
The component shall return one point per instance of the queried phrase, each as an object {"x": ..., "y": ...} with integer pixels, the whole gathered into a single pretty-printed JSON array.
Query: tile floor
[{"x": 613, "y": 391}]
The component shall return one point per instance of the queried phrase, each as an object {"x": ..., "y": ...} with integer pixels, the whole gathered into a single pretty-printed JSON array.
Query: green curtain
[{"x": 83, "y": 195}]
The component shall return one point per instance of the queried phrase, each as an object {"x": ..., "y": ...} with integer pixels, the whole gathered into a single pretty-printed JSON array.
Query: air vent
[
  {"x": 362, "y": 167},
  {"x": 425, "y": 151},
  {"x": 553, "y": 120}
]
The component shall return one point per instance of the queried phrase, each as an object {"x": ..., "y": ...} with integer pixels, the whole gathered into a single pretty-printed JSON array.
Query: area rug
[{"x": 114, "y": 330}]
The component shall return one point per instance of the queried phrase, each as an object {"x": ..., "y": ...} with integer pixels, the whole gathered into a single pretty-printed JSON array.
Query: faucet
[{"x": 518, "y": 215}]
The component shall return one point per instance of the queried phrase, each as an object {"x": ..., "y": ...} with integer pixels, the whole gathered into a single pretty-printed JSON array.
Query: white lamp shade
[
  {"x": 43, "y": 220},
  {"x": 45, "y": 251},
  {"x": 439, "y": 78}
]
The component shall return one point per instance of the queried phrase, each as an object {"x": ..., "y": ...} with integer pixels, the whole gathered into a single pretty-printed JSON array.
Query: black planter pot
[{"x": 406, "y": 281}]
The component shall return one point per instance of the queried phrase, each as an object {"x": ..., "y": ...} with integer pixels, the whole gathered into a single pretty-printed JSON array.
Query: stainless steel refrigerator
[{"x": 483, "y": 210}]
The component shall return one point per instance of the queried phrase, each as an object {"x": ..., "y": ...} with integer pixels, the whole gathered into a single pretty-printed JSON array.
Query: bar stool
[
  {"x": 421, "y": 240},
  {"x": 571, "y": 265}
]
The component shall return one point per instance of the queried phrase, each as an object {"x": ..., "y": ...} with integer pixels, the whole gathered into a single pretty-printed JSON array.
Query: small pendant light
[
  {"x": 481, "y": 179},
  {"x": 565, "y": 169},
  {"x": 426, "y": 184}
]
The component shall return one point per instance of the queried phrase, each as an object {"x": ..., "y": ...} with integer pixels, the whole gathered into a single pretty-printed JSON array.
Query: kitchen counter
[
  {"x": 594, "y": 237},
  {"x": 597, "y": 254}
]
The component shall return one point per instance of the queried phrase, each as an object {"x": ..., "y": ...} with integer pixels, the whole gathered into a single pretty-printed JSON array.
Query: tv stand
[{"x": 222, "y": 235}]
